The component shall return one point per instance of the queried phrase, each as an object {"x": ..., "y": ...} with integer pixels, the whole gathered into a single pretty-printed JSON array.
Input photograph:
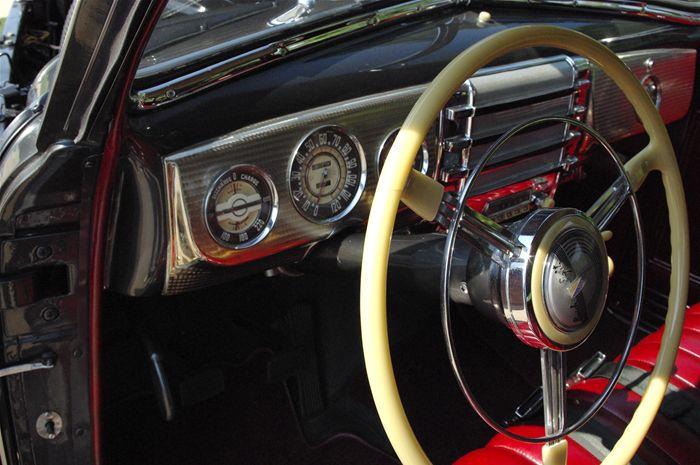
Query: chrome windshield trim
[
  {"x": 627, "y": 7},
  {"x": 639, "y": 35},
  {"x": 209, "y": 76}
]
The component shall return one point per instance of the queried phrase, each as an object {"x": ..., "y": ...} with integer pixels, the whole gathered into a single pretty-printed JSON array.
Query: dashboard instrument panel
[{"x": 273, "y": 146}]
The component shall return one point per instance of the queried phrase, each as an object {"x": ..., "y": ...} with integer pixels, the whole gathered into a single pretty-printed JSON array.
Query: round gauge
[
  {"x": 241, "y": 207},
  {"x": 327, "y": 175},
  {"x": 420, "y": 163}
]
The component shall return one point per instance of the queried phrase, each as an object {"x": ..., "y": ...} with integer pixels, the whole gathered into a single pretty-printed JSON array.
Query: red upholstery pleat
[
  {"x": 668, "y": 440},
  {"x": 687, "y": 371},
  {"x": 502, "y": 450},
  {"x": 493, "y": 456}
]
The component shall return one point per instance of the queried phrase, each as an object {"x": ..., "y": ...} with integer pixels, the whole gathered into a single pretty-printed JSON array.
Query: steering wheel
[{"x": 539, "y": 315}]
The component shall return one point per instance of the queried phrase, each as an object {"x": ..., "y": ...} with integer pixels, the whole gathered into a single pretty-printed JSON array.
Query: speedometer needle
[{"x": 323, "y": 182}]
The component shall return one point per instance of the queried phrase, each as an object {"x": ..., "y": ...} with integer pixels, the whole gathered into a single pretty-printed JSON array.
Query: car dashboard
[{"x": 259, "y": 197}]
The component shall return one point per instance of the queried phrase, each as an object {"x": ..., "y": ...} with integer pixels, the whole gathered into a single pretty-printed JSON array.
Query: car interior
[{"x": 326, "y": 216}]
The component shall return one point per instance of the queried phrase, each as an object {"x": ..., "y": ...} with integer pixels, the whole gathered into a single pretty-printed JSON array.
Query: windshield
[{"x": 190, "y": 30}]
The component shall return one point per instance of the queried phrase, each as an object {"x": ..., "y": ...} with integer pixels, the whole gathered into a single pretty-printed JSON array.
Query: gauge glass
[
  {"x": 327, "y": 175},
  {"x": 241, "y": 207},
  {"x": 421, "y": 162}
]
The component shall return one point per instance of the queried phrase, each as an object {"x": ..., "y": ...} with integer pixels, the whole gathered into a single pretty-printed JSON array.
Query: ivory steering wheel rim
[{"x": 424, "y": 197}]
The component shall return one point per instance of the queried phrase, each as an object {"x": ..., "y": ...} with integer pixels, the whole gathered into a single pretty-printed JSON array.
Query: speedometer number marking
[{"x": 327, "y": 175}]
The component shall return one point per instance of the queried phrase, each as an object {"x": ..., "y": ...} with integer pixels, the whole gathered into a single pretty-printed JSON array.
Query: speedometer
[
  {"x": 327, "y": 175},
  {"x": 241, "y": 207}
]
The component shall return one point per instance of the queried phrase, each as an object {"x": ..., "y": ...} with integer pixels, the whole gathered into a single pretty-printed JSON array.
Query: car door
[{"x": 56, "y": 173}]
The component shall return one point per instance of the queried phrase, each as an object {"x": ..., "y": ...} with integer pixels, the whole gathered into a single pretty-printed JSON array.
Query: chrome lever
[
  {"x": 526, "y": 409},
  {"x": 586, "y": 369},
  {"x": 533, "y": 403},
  {"x": 479, "y": 230},
  {"x": 45, "y": 363}
]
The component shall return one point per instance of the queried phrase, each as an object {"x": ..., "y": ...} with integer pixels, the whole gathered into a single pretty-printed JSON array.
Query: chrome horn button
[{"x": 554, "y": 292}]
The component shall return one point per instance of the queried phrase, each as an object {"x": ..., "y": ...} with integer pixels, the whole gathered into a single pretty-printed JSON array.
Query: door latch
[{"x": 43, "y": 363}]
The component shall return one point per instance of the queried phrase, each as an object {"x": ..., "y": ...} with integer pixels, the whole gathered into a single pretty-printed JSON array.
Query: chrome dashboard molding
[
  {"x": 241, "y": 64},
  {"x": 673, "y": 69},
  {"x": 540, "y": 87},
  {"x": 182, "y": 247},
  {"x": 638, "y": 35},
  {"x": 625, "y": 7},
  {"x": 248, "y": 61}
]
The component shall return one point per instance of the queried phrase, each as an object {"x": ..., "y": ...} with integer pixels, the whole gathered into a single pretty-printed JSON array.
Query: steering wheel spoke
[
  {"x": 479, "y": 230},
  {"x": 476, "y": 227},
  {"x": 639, "y": 166},
  {"x": 423, "y": 195},
  {"x": 553, "y": 367},
  {"x": 609, "y": 204}
]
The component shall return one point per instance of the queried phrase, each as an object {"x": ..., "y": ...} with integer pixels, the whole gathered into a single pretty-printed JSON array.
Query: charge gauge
[{"x": 241, "y": 207}]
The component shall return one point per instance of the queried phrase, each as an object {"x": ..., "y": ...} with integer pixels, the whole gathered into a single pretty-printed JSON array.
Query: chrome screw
[{"x": 463, "y": 288}]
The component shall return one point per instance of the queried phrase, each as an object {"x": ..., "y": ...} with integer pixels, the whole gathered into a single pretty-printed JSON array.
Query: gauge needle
[
  {"x": 323, "y": 180},
  {"x": 322, "y": 184},
  {"x": 239, "y": 207}
]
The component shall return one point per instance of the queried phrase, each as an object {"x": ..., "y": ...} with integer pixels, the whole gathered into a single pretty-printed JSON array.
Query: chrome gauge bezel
[
  {"x": 274, "y": 206},
  {"x": 362, "y": 181},
  {"x": 425, "y": 152}
]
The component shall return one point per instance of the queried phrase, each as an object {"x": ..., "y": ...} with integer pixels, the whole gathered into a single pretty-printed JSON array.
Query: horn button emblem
[
  {"x": 554, "y": 292},
  {"x": 572, "y": 280}
]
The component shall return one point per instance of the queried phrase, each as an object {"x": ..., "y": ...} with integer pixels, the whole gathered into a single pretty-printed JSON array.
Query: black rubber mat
[{"x": 250, "y": 423}]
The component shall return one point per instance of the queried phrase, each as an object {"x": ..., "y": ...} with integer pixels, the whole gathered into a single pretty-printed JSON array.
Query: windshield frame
[
  {"x": 171, "y": 84},
  {"x": 223, "y": 40},
  {"x": 685, "y": 12},
  {"x": 153, "y": 94}
]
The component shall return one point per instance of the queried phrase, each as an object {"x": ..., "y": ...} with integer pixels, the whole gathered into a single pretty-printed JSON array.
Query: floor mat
[
  {"x": 251, "y": 423},
  {"x": 444, "y": 422}
]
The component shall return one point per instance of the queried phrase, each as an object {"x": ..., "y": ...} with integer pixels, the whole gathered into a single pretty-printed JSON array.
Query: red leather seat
[
  {"x": 502, "y": 450},
  {"x": 669, "y": 441}
]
